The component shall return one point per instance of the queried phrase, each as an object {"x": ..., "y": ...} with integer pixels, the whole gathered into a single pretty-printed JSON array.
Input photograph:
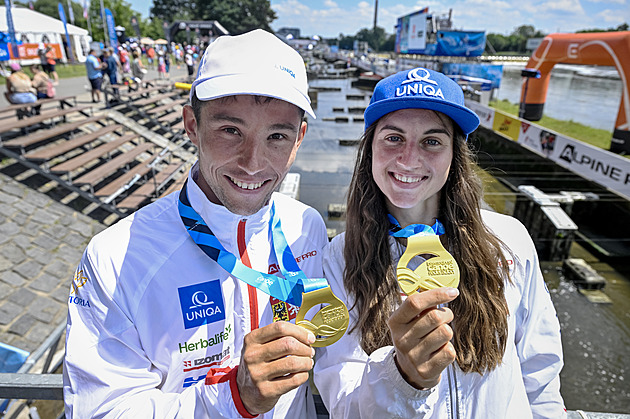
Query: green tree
[
  {"x": 122, "y": 12},
  {"x": 50, "y": 8},
  {"x": 374, "y": 37},
  {"x": 237, "y": 16}
]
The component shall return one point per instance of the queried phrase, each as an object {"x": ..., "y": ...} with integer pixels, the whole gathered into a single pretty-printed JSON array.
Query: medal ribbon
[
  {"x": 288, "y": 289},
  {"x": 414, "y": 229},
  {"x": 328, "y": 324}
]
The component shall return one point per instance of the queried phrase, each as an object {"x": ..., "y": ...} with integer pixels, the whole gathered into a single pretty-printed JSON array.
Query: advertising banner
[
  {"x": 593, "y": 163},
  {"x": 601, "y": 166},
  {"x": 537, "y": 139},
  {"x": 492, "y": 72},
  {"x": 485, "y": 114},
  {"x": 25, "y": 51},
  {"x": 411, "y": 32},
  {"x": 417, "y": 31},
  {"x": 507, "y": 125},
  {"x": 111, "y": 29},
  {"x": 460, "y": 44}
]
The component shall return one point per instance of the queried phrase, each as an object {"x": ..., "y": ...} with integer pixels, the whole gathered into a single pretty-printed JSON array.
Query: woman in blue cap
[{"x": 474, "y": 334}]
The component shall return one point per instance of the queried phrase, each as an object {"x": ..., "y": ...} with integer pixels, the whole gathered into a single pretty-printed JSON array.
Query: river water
[
  {"x": 595, "y": 337},
  {"x": 590, "y": 95}
]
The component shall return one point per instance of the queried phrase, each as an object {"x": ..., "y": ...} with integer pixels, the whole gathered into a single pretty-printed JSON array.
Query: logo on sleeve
[{"x": 201, "y": 304}]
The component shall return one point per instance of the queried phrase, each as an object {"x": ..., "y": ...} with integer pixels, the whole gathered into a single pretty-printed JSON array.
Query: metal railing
[{"x": 29, "y": 386}]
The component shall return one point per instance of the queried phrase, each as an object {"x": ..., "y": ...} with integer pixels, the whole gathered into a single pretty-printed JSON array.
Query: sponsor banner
[
  {"x": 411, "y": 32},
  {"x": 507, "y": 125},
  {"x": 460, "y": 43},
  {"x": 485, "y": 114},
  {"x": 601, "y": 166},
  {"x": 537, "y": 139},
  {"x": 27, "y": 52}
]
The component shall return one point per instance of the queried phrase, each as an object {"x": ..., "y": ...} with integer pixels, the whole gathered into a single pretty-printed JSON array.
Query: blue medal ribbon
[
  {"x": 288, "y": 289},
  {"x": 414, "y": 229}
]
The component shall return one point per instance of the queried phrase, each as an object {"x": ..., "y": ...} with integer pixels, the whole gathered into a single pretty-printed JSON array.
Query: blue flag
[
  {"x": 111, "y": 29},
  {"x": 62, "y": 16},
  {"x": 14, "y": 47}
]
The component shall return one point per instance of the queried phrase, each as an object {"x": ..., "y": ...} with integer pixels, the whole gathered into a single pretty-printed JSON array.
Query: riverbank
[{"x": 593, "y": 136}]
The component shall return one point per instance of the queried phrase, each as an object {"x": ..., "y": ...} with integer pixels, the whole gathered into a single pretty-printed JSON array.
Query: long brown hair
[{"x": 480, "y": 311}]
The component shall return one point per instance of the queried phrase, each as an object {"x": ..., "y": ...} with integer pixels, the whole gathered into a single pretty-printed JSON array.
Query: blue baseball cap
[{"x": 420, "y": 88}]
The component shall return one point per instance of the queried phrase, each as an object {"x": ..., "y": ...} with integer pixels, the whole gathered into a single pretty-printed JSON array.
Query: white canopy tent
[{"x": 33, "y": 28}]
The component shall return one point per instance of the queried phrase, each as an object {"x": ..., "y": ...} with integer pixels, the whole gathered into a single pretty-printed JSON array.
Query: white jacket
[
  {"x": 150, "y": 314},
  {"x": 525, "y": 385}
]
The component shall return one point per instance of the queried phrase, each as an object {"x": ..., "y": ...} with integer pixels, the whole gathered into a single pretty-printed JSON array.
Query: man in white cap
[{"x": 173, "y": 311}]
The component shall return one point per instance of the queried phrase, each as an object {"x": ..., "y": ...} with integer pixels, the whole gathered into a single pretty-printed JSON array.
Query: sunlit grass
[{"x": 594, "y": 136}]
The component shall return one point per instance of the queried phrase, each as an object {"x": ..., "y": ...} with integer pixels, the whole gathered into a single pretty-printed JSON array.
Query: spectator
[
  {"x": 42, "y": 83},
  {"x": 190, "y": 62},
  {"x": 19, "y": 86},
  {"x": 137, "y": 68},
  {"x": 150, "y": 56},
  {"x": 161, "y": 65},
  {"x": 51, "y": 62},
  {"x": 95, "y": 76}
]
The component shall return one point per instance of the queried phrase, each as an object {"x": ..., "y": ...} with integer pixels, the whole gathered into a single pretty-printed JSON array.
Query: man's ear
[
  {"x": 190, "y": 124},
  {"x": 301, "y": 133}
]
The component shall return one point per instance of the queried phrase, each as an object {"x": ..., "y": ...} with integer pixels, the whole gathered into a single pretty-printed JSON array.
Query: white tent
[{"x": 32, "y": 27}]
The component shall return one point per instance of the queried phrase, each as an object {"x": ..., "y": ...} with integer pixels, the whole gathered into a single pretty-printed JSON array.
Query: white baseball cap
[{"x": 255, "y": 63}]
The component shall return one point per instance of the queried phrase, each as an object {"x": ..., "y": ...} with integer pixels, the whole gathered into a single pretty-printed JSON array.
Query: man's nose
[{"x": 251, "y": 156}]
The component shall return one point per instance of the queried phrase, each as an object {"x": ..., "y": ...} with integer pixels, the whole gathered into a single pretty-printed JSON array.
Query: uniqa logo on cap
[{"x": 419, "y": 84}]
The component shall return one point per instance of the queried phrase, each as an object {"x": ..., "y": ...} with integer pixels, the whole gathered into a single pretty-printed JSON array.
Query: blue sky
[{"x": 328, "y": 18}]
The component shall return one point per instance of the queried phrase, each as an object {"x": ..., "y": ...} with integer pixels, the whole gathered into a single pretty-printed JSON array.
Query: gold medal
[
  {"x": 436, "y": 272},
  {"x": 329, "y": 323}
]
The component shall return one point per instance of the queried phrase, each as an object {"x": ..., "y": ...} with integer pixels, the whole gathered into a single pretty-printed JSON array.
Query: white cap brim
[{"x": 243, "y": 84}]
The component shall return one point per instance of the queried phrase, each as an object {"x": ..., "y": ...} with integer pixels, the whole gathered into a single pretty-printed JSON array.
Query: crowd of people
[{"x": 125, "y": 65}]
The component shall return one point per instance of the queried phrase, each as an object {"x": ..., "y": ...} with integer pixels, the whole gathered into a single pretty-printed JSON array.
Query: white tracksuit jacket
[
  {"x": 156, "y": 327},
  {"x": 525, "y": 385}
]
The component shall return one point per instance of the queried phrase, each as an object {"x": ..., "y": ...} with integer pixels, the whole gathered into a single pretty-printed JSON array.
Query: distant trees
[
  {"x": 514, "y": 42},
  {"x": 622, "y": 27},
  {"x": 237, "y": 16},
  {"x": 377, "y": 39}
]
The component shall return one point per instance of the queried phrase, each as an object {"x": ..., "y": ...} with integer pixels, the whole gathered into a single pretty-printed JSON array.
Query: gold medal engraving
[
  {"x": 330, "y": 322},
  {"x": 436, "y": 272}
]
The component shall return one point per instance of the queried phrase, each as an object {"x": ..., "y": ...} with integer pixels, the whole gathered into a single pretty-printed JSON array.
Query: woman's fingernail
[{"x": 452, "y": 292}]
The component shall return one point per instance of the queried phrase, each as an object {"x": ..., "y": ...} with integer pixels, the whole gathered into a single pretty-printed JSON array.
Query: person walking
[{"x": 94, "y": 74}]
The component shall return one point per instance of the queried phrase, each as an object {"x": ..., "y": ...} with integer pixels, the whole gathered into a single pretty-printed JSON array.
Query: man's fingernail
[
  {"x": 452, "y": 292},
  {"x": 312, "y": 352},
  {"x": 311, "y": 337}
]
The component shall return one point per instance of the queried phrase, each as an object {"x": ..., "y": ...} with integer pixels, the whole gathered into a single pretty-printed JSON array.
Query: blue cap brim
[{"x": 467, "y": 120}]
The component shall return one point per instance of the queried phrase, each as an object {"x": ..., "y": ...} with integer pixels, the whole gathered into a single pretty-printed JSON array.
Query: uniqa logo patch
[
  {"x": 201, "y": 304},
  {"x": 419, "y": 82}
]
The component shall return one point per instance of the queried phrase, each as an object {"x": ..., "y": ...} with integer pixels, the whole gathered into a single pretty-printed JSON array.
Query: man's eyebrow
[
  {"x": 284, "y": 126},
  {"x": 227, "y": 118},
  {"x": 236, "y": 120}
]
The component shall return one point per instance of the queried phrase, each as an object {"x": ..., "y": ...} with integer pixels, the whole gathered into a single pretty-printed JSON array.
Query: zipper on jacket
[
  {"x": 251, "y": 291},
  {"x": 453, "y": 392}
]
